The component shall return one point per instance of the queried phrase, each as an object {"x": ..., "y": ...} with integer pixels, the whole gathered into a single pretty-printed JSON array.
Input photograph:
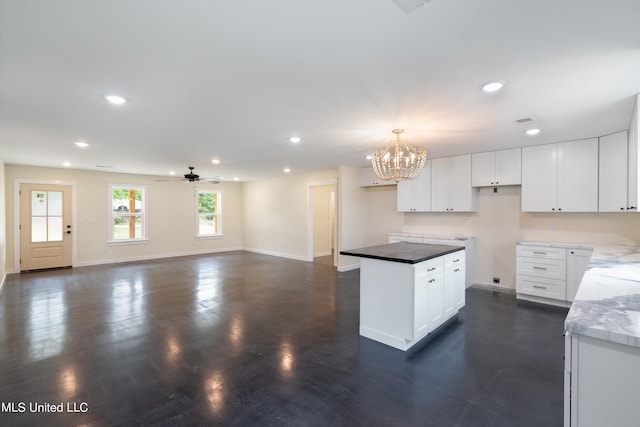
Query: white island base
[{"x": 402, "y": 303}]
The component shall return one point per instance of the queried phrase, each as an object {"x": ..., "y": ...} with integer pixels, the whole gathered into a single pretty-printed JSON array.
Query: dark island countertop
[{"x": 408, "y": 253}]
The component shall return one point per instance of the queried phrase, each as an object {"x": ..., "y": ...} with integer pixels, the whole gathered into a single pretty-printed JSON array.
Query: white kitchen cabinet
[
  {"x": 454, "y": 277},
  {"x": 560, "y": 177},
  {"x": 496, "y": 168},
  {"x": 435, "y": 298},
  {"x": 414, "y": 195},
  {"x": 368, "y": 178},
  {"x": 401, "y": 303},
  {"x": 613, "y": 179},
  {"x": 601, "y": 382},
  {"x": 550, "y": 274},
  {"x": 451, "y": 189},
  {"x": 577, "y": 262}
]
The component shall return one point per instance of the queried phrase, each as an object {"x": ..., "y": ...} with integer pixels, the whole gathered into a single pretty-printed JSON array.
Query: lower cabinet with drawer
[{"x": 549, "y": 274}]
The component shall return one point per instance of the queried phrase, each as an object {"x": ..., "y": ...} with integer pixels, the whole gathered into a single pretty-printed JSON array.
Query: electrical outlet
[{"x": 496, "y": 280}]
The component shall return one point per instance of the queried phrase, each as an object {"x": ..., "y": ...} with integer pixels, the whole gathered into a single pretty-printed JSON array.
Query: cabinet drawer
[
  {"x": 456, "y": 258},
  {"x": 537, "y": 267},
  {"x": 541, "y": 252},
  {"x": 428, "y": 268},
  {"x": 541, "y": 287}
]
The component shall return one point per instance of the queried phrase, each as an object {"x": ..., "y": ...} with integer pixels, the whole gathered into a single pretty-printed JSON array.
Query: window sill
[
  {"x": 210, "y": 237},
  {"x": 127, "y": 242}
]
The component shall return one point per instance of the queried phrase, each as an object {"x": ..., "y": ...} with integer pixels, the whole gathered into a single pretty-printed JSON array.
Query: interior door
[{"x": 45, "y": 226}]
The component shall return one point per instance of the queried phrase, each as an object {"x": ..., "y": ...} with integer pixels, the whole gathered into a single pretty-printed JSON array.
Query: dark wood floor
[{"x": 245, "y": 339}]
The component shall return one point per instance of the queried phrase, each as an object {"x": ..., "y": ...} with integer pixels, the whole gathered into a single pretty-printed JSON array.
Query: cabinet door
[
  {"x": 454, "y": 278},
  {"x": 420, "y": 309},
  {"x": 435, "y": 300},
  {"x": 539, "y": 178},
  {"x": 577, "y": 262},
  {"x": 462, "y": 196},
  {"x": 578, "y": 176},
  {"x": 405, "y": 196},
  {"x": 422, "y": 189},
  {"x": 414, "y": 195},
  {"x": 483, "y": 169},
  {"x": 368, "y": 178},
  {"x": 508, "y": 167},
  {"x": 612, "y": 175},
  {"x": 440, "y": 184}
]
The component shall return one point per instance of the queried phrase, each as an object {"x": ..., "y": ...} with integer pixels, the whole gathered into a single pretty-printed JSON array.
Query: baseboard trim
[
  {"x": 4, "y": 279},
  {"x": 494, "y": 288},
  {"x": 345, "y": 268},
  {"x": 278, "y": 254},
  {"x": 152, "y": 257}
]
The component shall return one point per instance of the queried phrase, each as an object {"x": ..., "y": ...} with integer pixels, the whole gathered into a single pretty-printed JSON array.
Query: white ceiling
[{"x": 234, "y": 79}]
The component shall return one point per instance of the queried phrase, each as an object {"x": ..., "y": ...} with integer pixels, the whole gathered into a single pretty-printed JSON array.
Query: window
[
  {"x": 209, "y": 213},
  {"x": 128, "y": 213}
]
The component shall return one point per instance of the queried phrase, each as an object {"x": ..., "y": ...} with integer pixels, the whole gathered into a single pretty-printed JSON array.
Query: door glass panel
[
  {"x": 38, "y": 203},
  {"x": 46, "y": 216},
  {"x": 54, "y": 203},
  {"x": 55, "y": 228},
  {"x": 38, "y": 229}
]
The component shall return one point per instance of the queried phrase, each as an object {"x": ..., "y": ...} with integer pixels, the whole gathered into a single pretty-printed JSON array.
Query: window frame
[
  {"x": 144, "y": 189},
  {"x": 217, "y": 214}
]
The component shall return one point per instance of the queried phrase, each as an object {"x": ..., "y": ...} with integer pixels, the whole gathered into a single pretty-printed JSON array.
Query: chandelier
[{"x": 399, "y": 161}]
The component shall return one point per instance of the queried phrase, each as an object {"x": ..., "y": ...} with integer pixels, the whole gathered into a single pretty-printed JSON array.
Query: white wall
[
  {"x": 274, "y": 214},
  {"x": 320, "y": 199},
  {"x": 171, "y": 215},
  {"x": 352, "y": 216},
  {"x": 3, "y": 224},
  {"x": 497, "y": 226}
]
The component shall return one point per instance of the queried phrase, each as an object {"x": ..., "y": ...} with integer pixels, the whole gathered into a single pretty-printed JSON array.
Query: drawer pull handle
[
  {"x": 539, "y": 287},
  {"x": 431, "y": 269},
  {"x": 456, "y": 270},
  {"x": 539, "y": 253},
  {"x": 539, "y": 268},
  {"x": 432, "y": 280},
  {"x": 456, "y": 260}
]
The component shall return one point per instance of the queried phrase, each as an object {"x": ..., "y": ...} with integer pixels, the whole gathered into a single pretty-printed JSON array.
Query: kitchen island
[
  {"x": 602, "y": 347},
  {"x": 407, "y": 290}
]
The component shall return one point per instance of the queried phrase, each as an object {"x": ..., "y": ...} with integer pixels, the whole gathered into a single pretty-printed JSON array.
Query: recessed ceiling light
[
  {"x": 81, "y": 144},
  {"x": 215, "y": 161},
  {"x": 369, "y": 157},
  {"x": 66, "y": 164},
  {"x": 287, "y": 170},
  {"x": 493, "y": 86},
  {"x": 532, "y": 131},
  {"x": 235, "y": 178},
  {"x": 115, "y": 99},
  {"x": 172, "y": 173},
  {"x": 295, "y": 139}
]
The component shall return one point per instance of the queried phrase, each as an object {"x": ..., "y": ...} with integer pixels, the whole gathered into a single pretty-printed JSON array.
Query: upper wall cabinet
[
  {"x": 451, "y": 185},
  {"x": 414, "y": 195},
  {"x": 496, "y": 168},
  {"x": 368, "y": 178},
  {"x": 613, "y": 179},
  {"x": 560, "y": 177}
]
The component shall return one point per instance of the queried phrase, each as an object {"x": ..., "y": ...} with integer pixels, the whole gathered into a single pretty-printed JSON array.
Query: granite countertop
[
  {"x": 607, "y": 305},
  {"x": 409, "y": 253}
]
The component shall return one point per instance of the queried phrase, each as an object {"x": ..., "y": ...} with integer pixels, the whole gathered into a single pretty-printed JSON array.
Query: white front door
[{"x": 45, "y": 226}]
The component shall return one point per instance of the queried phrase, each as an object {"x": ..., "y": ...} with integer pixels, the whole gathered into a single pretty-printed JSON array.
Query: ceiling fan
[{"x": 193, "y": 177}]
